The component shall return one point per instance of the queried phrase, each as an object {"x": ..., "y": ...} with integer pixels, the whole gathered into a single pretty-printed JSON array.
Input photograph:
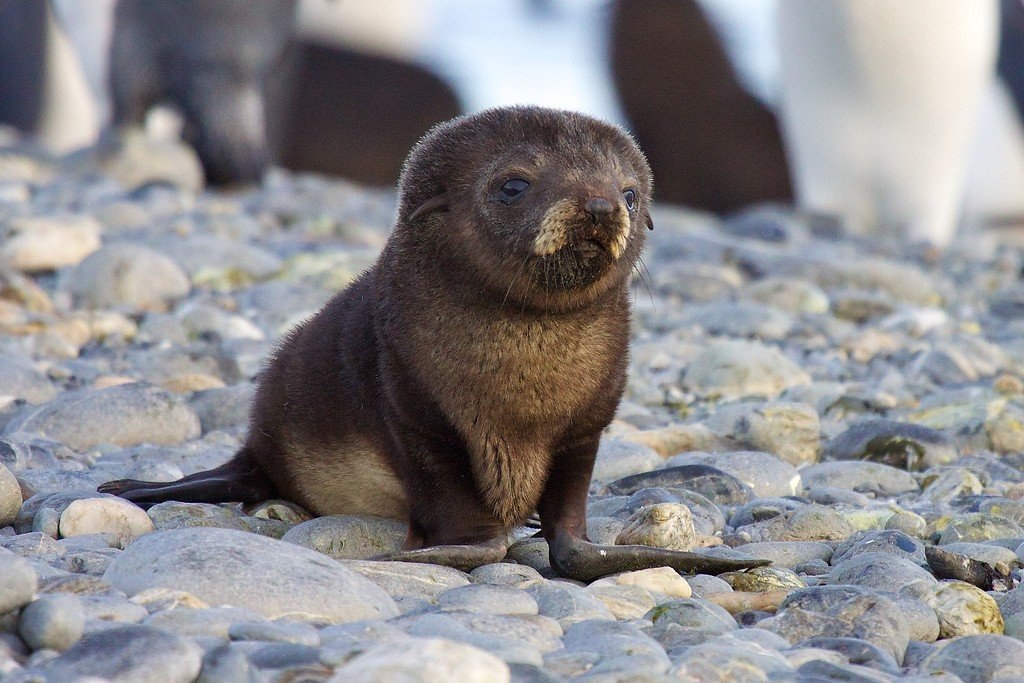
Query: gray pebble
[
  {"x": 212, "y": 621},
  {"x": 225, "y": 665},
  {"x": 54, "y": 622},
  {"x": 764, "y": 473},
  {"x": 18, "y": 581},
  {"x": 427, "y": 660},
  {"x": 409, "y": 579},
  {"x": 904, "y": 445},
  {"x": 567, "y": 603},
  {"x": 127, "y": 275},
  {"x": 222, "y": 566},
  {"x": 487, "y": 599},
  {"x": 123, "y": 415},
  {"x": 506, "y": 574},
  {"x": 881, "y": 571},
  {"x": 295, "y": 632},
  {"x": 690, "y": 613},
  {"x": 10, "y": 497},
  {"x": 349, "y": 537},
  {"x": 865, "y": 477},
  {"x": 978, "y": 658},
  {"x": 126, "y": 653}
]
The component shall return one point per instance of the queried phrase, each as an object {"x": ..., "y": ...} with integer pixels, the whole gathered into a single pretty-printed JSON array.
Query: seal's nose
[{"x": 598, "y": 208}]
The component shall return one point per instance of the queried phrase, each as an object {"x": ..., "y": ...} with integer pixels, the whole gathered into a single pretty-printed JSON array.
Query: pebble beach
[{"x": 849, "y": 408}]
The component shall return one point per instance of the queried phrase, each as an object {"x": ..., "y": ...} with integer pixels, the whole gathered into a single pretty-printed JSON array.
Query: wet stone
[
  {"x": 764, "y": 473},
  {"x": 903, "y": 445},
  {"x": 873, "y": 541},
  {"x": 53, "y": 622},
  {"x": 349, "y": 537}
]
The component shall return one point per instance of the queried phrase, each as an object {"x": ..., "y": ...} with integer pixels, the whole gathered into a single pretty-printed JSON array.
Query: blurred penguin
[{"x": 880, "y": 103}]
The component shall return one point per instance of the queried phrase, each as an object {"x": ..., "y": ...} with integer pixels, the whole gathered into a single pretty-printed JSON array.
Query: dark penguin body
[{"x": 463, "y": 382}]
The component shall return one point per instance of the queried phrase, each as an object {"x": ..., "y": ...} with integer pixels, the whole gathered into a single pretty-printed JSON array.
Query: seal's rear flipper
[
  {"x": 238, "y": 480},
  {"x": 584, "y": 561},
  {"x": 462, "y": 557}
]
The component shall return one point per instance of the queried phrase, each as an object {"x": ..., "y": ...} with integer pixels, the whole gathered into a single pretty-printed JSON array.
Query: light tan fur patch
[
  {"x": 618, "y": 244},
  {"x": 352, "y": 479},
  {"x": 551, "y": 237}
]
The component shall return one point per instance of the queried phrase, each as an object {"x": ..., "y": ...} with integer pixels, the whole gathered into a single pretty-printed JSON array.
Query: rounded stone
[
  {"x": 691, "y": 613},
  {"x": 10, "y": 497},
  {"x": 978, "y": 527},
  {"x": 487, "y": 598},
  {"x": 978, "y": 658},
  {"x": 790, "y": 431},
  {"x": 764, "y": 473},
  {"x": 20, "y": 379},
  {"x": 226, "y": 567},
  {"x": 734, "y": 368},
  {"x": 125, "y": 653},
  {"x": 662, "y": 525},
  {"x": 903, "y": 445},
  {"x": 963, "y": 609},
  {"x": 127, "y": 276},
  {"x": 865, "y": 477},
  {"x": 53, "y": 622},
  {"x": 123, "y": 415},
  {"x": 42, "y": 243},
  {"x": 881, "y": 571},
  {"x": 18, "y": 581},
  {"x": 663, "y": 580},
  {"x": 348, "y": 537},
  {"x": 119, "y": 521},
  {"x": 426, "y": 660}
]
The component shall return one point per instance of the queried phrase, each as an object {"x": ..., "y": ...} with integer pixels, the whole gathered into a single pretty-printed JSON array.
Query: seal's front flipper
[
  {"x": 238, "y": 480},
  {"x": 585, "y": 561},
  {"x": 462, "y": 557}
]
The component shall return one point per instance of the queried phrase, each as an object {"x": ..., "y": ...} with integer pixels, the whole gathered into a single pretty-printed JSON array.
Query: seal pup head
[{"x": 543, "y": 208}]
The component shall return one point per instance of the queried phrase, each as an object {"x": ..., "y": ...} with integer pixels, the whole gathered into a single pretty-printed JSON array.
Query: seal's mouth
[{"x": 563, "y": 227}]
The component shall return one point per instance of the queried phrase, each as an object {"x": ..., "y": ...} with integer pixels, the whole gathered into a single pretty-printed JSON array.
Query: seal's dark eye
[
  {"x": 630, "y": 197},
  {"x": 511, "y": 190}
]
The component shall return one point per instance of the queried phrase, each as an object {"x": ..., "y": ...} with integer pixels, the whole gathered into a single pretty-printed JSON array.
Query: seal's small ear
[
  {"x": 435, "y": 203},
  {"x": 648, "y": 220}
]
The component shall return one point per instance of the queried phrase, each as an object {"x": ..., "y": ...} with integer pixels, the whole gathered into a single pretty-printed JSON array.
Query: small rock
[
  {"x": 904, "y": 445},
  {"x": 428, "y": 660},
  {"x": 226, "y": 567},
  {"x": 807, "y": 523},
  {"x": 567, "y": 603},
  {"x": 663, "y": 580},
  {"x": 409, "y": 579},
  {"x": 978, "y": 658},
  {"x": 20, "y": 379},
  {"x": 979, "y": 526},
  {"x": 963, "y": 609},
  {"x": 18, "y": 581},
  {"x": 488, "y": 599},
  {"x": 42, "y": 243},
  {"x": 764, "y": 473},
  {"x": 664, "y": 525},
  {"x": 119, "y": 521},
  {"x": 125, "y": 653},
  {"x": 349, "y": 537},
  {"x": 129, "y": 276},
  {"x": 124, "y": 415},
  {"x": 881, "y": 571},
  {"x": 865, "y": 477},
  {"x": 53, "y": 621},
  {"x": 787, "y": 430},
  {"x": 733, "y": 368},
  {"x": 10, "y": 497},
  {"x": 618, "y": 458},
  {"x": 692, "y": 613}
]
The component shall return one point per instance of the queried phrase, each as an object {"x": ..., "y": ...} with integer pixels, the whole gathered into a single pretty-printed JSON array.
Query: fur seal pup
[{"x": 463, "y": 381}]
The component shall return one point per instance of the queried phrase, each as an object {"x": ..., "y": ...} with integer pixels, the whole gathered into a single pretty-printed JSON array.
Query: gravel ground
[{"x": 851, "y": 409}]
